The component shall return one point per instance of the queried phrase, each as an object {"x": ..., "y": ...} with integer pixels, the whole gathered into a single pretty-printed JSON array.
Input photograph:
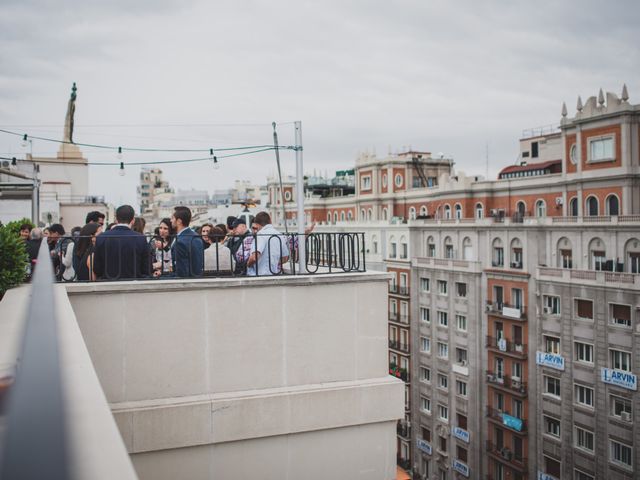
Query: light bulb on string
[
  {"x": 24, "y": 140},
  {"x": 119, "y": 154},
  {"x": 216, "y": 165},
  {"x": 121, "y": 171}
]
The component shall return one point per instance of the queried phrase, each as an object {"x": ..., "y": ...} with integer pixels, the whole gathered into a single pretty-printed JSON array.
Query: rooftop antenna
[{"x": 487, "y": 161}]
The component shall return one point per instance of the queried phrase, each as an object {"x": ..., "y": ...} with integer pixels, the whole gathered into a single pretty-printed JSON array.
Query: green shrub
[
  {"x": 13, "y": 258},
  {"x": 15, "y": 225}
]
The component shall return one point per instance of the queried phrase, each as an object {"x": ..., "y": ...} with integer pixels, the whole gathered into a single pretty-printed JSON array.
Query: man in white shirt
[{"x": 270, "y": 249}]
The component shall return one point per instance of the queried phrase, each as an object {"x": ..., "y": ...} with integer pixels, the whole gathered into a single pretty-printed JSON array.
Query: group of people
[{"x": 121, "y": 250}]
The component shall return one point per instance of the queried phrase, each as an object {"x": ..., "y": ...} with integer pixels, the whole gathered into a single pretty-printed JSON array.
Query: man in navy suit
[
  {"x": 187, "y": 251},
  {"x": 120, "y": 252}
]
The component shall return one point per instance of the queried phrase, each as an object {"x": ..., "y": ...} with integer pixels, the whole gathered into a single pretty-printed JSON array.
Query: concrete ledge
[
  {"x": 210, "y": 419},
  {"x": 224, "y": 282}
]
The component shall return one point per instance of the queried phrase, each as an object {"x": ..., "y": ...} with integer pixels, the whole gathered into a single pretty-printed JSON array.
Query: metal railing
[
  {"x": 122, "y": 254},
  {"x": 507, "y": 454},
  {"x": 35, "y": 442},
  {"x": 505, "y": 381},
  {"x": 396, "y": 345},
  {"x": 519, "y": 349},
  {"x": 498, "y": 416}
]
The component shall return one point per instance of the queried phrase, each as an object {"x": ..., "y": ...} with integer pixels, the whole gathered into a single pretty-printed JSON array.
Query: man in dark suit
[
  {"x": 187, "y": 251},
  {"x": 120, "y": 252}
]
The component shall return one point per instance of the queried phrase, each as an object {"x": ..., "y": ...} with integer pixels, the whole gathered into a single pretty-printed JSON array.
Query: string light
[
  {"x": 119, "y": 154},
  {"x": 24, "y": 140},
  {"x": 14, "y": 162},
  {"x": 216, "y": 165},
  {"x": 121, "y": 172}
]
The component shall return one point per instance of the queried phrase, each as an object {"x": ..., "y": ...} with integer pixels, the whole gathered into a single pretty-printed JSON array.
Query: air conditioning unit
[
  {"x": 463, "y": 363},
  {"x": 516, "y": 264},
  {"x": 625, "y": 416},
  {"x": 547, "y": 310},
  {"x": 519, "y": 348},
  {"x": 493, "y": 212},
  {"x": 559, "y": 201},
  {"x": 488, "y": 307},
  {"x": 491, "y": 377},
  {"x": 6, "y": 164},
  {"x": 506, "y": 453},
  {"x": 517, "y": 384}
]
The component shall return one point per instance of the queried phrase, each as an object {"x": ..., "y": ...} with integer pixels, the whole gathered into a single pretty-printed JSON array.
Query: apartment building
[{"x": 522, "y": 296}]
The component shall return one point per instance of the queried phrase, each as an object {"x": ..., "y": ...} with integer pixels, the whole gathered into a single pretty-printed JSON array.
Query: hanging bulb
[
  {"x": 14, "y": 162},
  {"x": 24, "y": 140},
  {"x": 121, "y": 172},
  {"x": 216, "y": 165},
  {"x": 120, "y": 154}
]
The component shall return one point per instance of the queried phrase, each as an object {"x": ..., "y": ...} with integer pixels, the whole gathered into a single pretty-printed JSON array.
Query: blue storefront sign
[
  {"x": 620, "y": 379},
  {"x": 460, "y": 467},
  {"x": 545, "y": 476},
  {"x": 550, "y": 360},
  {"x": 424, "y": 446},
  {"x": 512, "y": 422},
  {"x": 461, "y": 434}
]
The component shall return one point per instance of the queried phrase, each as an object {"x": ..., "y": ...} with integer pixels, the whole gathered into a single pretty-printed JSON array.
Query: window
[
  {"x": 443, "y": 412},
  {"x": 442, "y": 287},
  {"x": 461, "y": 323},
  {"x": 583, "y": 438},
  {"x": 458, "y": 210},
  {"x": 552, "y": 426},
  {"x": 442, "y": 442},
  {"x": 425, "y": 375},
  {"x": 517, "y": 408},
  {"x": 461, "y": 388},
  {"x": 551, "y": 344},
  {"x": 541, "y": 208},
  {"x": 592, "y": 209},
  {"x": 551, "y": 386},
  {"x": 461, "y": 289},
  {"x": 426, "y": 434},
  {"x": 552, "y": 467},
  {"x": 534, "y": 149},
  {"x": 498, "y": 257},
  {"x": 447, "y": 212},
  {"x": 573, "y": 154},
  {"x": 404, "y": 250},
  {"x": 499, "y": 402},
  {"x": 384, "y": 180},
  {"x": 584, "y": 352},
  {"x": 612, "y": 205},
  {"x": 573, "y": 207},
  {"x": 461, "y": 453},
  {"x": 620, "y": 360},
  {"x": 448, "y": 251},
  {"x": 516, "y": 298},
  {"x": 365, "y": 182},
  {"x": 431, "y": 247},
  {"x": 425, "y": 344},
  {"x": 425, "y": 405},
  {"x": 462, "y": 356},
  {"x": 425, "y": 284},
  {"x": 579, "y": 475},
  {"x": 620, "y": 407},
  {"x": 584, "y": 396},
  {"x": 584, "y": 309},
  {"x": 620, "y": 315},
  {"x": 551, "y": 305},
  {"x": 412, "y": 212},
  {"x": 443, "y": 319},
  {"x": 479, "y": 211},
  {"x": 601, "y": 149},
  {"x": 425, "y": 315},
  {"x": 443, "y": 381},
  {"x": 394, "y": 250},
  {"x": 443, "y": 350},
  {"x": 620, "y": 453},
  {"x": 398, "y": 180}
]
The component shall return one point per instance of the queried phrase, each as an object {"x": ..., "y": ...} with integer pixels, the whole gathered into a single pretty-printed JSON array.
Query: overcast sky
[{"x": 440, "y": 76}]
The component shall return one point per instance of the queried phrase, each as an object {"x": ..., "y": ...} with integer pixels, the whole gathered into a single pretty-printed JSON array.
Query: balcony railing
[
  {"x": 506, "y": 310},
  {"x": 399, "y": 346},
  {"x": 131, "y": 256},
  {"x": 505, "y": 381},
  {"x": 404, "y": 463},
  {"x": 498, "y": 416},
  {"x": 403, "y": 430},
  {"x": 398, "y": 372},
  {"x": 502, "y": 345},
  {"x": 399, "y": 318},
  {"x": 508, "y": 455},
  {"x": 596, "y": 276},
  {"x": 399, "y": 289}
]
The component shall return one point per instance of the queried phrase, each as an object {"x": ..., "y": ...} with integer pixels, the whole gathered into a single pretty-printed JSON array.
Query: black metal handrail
[
  {"x": 35, "y": 443},
  {"x": 129, "y": 256}
]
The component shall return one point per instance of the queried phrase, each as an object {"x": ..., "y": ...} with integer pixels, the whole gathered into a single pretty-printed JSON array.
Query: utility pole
[{"x": 300, "y": 197}]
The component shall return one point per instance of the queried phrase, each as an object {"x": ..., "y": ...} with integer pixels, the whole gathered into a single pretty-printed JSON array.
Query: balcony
[
  {"x": 448, "y": 264},
  {"x": 399, "y": 290},
  {"x": 506, "y": 455},
  {"x": 399, "y": 346},
  {"x": 589, "y": 277},
  {"x": 499, "y": 417},
  {"x": 506, "y": 311},
  {"x": 398, "y": 372},
  {"x": 518, "y": 350},
  {"x": 404, "y": 430},
  {"x": 514, "y": 386},
  {"x": 163, "y": 376},
  {"x": 404, "y": 463},
  {"x": 399, "y": 318}
]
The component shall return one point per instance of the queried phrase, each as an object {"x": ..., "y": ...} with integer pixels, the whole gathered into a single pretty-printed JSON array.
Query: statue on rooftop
[{"x": 68, "y": 122}]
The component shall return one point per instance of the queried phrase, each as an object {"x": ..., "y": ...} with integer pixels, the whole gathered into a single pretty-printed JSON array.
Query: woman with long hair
[
  {"x": 83, "y": 252},
  {"x": 161, "y": 248}
]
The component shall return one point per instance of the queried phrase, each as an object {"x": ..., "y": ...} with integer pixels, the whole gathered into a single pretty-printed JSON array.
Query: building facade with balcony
[{"x": 561, "y": 220}]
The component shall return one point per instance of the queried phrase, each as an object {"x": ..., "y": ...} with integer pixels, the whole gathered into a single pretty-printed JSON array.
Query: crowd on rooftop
[{"x": 122, "y": 251}]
